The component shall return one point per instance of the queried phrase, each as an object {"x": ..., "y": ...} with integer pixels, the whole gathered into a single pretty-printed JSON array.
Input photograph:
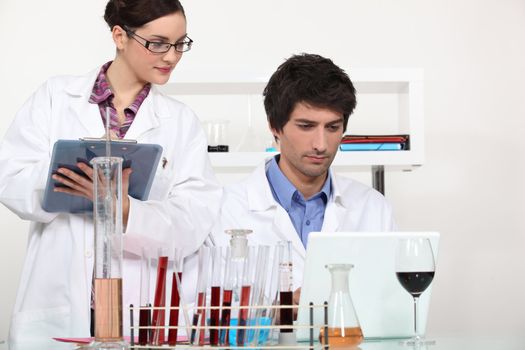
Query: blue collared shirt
[{"x": 306, "y": 215}]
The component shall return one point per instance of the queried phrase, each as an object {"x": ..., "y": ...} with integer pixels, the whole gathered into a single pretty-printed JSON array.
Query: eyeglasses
[{"x": 160, "y": 46}]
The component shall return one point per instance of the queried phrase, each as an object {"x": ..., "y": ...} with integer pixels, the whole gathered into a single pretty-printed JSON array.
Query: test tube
[
  {"x": 107, "y": 216},
  {"x": 145, "y": 311},
  {"x": 176, "y": 291},
  {"x": 239, "y": 253},
  {"x": 273, "y": 288},
  {"x": 199, "y": 317},
  {"x": 286, "y": 335},
  {"x": 216, "y": 257},
  {"x": 261, "y": 273},
  {"x": 159, "y": 302},
  {"x": 226, "y": 299},
  {"x": 246, "y": 291}
]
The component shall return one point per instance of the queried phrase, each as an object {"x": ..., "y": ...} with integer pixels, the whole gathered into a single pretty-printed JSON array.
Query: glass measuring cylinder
[
  {"x": 107, "y": 216},
  {"x": 344, "y": 329}
]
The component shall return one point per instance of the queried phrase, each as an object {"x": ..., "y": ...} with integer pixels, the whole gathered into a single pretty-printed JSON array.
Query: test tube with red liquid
[
  {"x": 159, "y": 302},
  {"x": 216, "y": 257},
  {"x": 176, "y": 290},
  {"x": 226, "y": 299},
  {"x": 287, "y": 335},
  {"x": 145, "y": 302}
]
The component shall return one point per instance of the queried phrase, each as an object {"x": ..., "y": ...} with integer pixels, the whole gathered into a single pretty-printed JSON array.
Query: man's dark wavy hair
[{"x": 310, "y": 79}]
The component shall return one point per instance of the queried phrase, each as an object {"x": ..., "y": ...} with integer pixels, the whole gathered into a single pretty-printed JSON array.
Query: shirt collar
[
  {"x": 101, "y": 90},
  {"x": 327, "y": 187},
  {"x": 283, "y": 190}
]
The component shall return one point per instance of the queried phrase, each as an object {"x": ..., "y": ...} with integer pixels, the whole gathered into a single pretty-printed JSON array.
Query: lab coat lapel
[
  {"x": 87, "y": 113},
  {"x": 146, "y": 118},
  {"x": 89, "y": 116},
  {"x": 333, "y": 216},
  {"x": 260, "y": 198},
  {"x": 335, "y": 209},
  {"x": 282, "y": 224}
]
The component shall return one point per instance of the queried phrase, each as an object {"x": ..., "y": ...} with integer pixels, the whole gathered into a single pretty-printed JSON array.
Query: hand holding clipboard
[{"x": 73, "y": 157}]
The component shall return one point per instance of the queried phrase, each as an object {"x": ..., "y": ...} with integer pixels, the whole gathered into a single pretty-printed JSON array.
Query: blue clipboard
[{"x": 142, "y": 158}]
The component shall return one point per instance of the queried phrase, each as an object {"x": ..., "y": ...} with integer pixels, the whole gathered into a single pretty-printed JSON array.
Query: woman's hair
[
  {"x": 136, "y": 13},
  {"x": 311, "y": 79}
]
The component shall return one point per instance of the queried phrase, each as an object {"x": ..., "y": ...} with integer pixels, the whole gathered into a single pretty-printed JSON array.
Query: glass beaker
[
  {"x": 107, "y": 216},
  {"x": 344, "y": 329},
  {"x": 217, "y": 134}
]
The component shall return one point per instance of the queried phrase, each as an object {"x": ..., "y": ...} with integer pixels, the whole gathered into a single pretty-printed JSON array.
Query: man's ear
[{"x": 119, "y": 37}]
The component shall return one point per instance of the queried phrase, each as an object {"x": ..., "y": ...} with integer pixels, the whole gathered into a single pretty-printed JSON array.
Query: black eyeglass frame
[{"x": 186, "y": 42}]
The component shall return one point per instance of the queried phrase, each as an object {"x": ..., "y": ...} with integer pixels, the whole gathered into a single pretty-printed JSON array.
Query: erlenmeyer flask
[{"x": 343, "y": 326}]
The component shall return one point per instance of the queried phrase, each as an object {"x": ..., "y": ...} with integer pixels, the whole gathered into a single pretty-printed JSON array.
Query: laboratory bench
[{"x": 441, "y": 343}]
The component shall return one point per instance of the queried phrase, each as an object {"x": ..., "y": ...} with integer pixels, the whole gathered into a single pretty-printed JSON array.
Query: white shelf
[
  {"x": 361, "y": 160},
  {"x": 405, "y": 83}
]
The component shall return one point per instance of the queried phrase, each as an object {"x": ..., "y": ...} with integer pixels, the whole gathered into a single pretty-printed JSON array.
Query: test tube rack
[{"x": 197, "y": 328}]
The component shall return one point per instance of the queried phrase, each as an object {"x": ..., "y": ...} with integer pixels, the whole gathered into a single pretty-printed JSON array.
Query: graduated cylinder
[{"x": 107, "y": 215}]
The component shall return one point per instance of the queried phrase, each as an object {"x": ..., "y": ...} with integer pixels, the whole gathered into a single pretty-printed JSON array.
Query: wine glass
[{"x": 415, "y": 269}]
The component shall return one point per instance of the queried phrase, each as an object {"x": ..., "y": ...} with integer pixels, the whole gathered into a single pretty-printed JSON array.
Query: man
[{"x": 308, "y": 101}]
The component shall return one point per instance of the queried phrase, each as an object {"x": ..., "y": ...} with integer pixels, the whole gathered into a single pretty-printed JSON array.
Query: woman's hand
[
  {"x": 75, "y": 184},
  {"x": 82, "y": 185},
  {"x": 126, "y": 173}
]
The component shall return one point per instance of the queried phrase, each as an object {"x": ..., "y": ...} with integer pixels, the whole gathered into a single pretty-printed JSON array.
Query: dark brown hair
[
  {"x": 311, "y": 79},
  {"x": 136, "y": 13}
]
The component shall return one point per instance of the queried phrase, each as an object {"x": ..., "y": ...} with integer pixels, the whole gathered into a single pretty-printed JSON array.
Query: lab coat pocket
[
  {"x": 40, "y": 324},
  {"x": 162, "y": 183}
]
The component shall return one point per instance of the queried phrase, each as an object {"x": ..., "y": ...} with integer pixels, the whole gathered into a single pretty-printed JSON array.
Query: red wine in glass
[
  {"x": 415, "y": 268},
  {"x": 415, "y": 282}
]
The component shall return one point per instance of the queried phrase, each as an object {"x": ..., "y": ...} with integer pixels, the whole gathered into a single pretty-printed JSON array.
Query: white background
[{"x": 473, "y": 53}]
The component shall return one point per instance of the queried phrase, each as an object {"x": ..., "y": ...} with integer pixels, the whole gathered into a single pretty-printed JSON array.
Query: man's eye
[
  {"x": 305, "y": 126},
  {"x": 334, "y": 127}
]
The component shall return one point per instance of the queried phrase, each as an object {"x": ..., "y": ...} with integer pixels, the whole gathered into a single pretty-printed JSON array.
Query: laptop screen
[{"x": 383, "y": 307}]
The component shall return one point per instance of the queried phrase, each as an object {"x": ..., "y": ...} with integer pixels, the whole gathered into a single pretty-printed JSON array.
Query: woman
[{"x": 54, "y": 295}]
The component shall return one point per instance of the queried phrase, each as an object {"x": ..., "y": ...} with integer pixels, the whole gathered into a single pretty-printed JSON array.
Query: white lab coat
[
  {"x": 250, "y": 205},
  {"x": 54, "y": 293}
]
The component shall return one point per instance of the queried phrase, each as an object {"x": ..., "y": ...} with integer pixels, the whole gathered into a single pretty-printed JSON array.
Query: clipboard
[{"x": 142, "y": 158}]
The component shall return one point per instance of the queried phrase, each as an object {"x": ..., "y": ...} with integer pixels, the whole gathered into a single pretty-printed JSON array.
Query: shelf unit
[{"x": 406, "y": 84}]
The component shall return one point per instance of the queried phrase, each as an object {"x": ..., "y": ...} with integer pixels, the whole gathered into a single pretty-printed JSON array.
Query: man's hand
[{"x": 296, "y": 298}]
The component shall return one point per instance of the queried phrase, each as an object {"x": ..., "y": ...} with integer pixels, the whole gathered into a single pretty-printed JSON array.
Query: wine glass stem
[{"x": 416, "y": 327}]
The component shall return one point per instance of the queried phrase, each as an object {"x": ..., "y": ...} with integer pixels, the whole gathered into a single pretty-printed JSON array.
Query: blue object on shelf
[{"x": 371, "y": 147}]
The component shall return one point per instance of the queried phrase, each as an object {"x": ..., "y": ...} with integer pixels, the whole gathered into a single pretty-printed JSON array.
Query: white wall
[{"x": 470, "y": 188}]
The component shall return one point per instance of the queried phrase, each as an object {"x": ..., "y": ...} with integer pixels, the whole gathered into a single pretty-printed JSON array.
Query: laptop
[{"x": 383, "y": 307}]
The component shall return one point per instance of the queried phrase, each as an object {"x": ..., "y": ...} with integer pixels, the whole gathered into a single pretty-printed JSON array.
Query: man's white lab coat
[
  {"x": 54, "y": 293},
  {"x": 250, "y": 205}
]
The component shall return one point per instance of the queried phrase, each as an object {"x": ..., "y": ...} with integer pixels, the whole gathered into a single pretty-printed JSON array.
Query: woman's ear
[{"x": 120, "y": 37}]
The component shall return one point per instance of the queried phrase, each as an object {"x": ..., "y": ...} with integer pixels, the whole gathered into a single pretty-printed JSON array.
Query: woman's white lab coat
[
  {"x": 250, "y": 205},
  {"x": 54, "y": 293}
]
